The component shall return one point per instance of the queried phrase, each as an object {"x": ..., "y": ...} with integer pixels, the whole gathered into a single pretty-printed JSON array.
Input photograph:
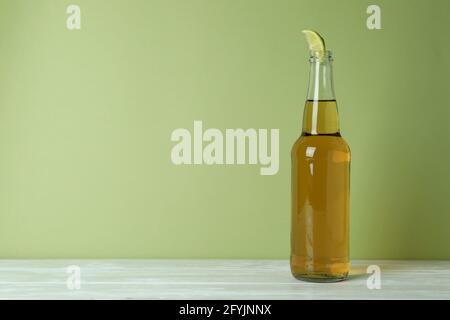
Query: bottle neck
[
  {"x": 321, "y": 85},
  {"x": 320, "y": 116}
]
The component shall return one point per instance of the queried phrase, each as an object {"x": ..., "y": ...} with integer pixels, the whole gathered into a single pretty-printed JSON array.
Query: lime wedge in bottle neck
[{"x": 316, "y": 43}]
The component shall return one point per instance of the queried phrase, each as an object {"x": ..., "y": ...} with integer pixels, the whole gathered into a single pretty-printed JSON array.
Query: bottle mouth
[{"x": 315, "y": 56}]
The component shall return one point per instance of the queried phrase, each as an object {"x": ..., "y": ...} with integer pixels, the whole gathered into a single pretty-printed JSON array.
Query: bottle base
[
  {"x": 320, "y": 277},
  {"x": 331, "y": 269}
]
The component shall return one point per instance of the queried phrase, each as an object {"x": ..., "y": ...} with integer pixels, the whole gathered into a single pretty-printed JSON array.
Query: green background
[{"x": 86, "y": 118}]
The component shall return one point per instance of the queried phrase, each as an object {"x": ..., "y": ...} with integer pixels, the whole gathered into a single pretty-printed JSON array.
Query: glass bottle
[{"x": 320, "y": 184}]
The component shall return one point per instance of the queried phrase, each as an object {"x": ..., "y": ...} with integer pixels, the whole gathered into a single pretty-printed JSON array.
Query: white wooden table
[{"x": 213, "y": 279}]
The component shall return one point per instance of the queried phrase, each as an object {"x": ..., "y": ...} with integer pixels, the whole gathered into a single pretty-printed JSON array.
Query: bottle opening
[{"x": 316, "y": 56}]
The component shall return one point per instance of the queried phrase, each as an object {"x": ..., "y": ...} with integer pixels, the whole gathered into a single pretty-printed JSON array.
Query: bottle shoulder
[{"x": 320, "y": 142}]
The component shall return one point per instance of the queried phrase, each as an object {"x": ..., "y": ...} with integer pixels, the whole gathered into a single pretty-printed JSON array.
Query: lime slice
[{"x": 315, "y": 42}]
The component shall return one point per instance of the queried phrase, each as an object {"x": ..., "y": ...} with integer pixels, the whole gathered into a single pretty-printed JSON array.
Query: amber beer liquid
[{"x": 320, "y": 185}]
